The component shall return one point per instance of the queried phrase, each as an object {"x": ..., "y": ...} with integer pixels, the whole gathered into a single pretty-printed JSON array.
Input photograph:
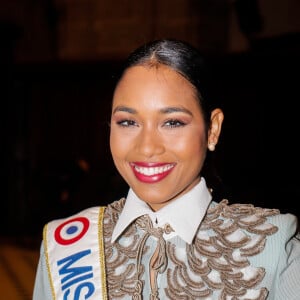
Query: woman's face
[{"x": 158, "y": 140}]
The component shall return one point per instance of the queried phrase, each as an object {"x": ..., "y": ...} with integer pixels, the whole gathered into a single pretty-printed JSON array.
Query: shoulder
[
  {"x": 287, "y": 223},
  {"x": 68, "y": 230},
  {"x": 245, "y": 210},
  {"x": 287, "y": 238},
  {"x": 255, "y": 220},
  {"x": 84, "y": 218},
  {"x": 269, "y": 237},
  {"x": 114, "y": 209},
  {"x": 80, "y": 216}
]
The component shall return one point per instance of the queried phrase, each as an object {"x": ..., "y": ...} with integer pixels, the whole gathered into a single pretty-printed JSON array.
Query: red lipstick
[{"x": 151, "y": 172}]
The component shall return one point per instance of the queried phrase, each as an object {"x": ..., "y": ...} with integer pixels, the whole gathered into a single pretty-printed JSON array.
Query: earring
[{"x": 211, "y": 147}]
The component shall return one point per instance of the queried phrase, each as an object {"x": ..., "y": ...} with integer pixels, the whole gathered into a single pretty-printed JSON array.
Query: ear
[{"x": 216, "y": 120}]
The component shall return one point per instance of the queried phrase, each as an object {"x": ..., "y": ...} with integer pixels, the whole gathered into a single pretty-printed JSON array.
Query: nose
[{"x": 150, "y": 142}]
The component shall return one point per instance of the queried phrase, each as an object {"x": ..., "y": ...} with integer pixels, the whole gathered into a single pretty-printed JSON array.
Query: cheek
[
  {"x": 190, "y": 145},
  {"x": 114, "y": 144},
  {"x": 119, "y": 143}
]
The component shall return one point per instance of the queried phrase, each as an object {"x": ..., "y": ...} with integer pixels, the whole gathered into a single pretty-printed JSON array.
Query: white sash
[{"x": 75, "y": 256}]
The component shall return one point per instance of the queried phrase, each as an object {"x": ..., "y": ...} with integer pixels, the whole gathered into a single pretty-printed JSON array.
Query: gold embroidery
[{"x": 216, "y": 263}]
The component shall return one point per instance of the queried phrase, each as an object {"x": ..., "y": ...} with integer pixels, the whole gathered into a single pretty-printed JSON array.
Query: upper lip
[{"x": 149, "y": 164}]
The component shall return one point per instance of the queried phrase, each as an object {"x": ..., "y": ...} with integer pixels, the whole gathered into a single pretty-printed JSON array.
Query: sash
[{"x": 74, "y": 250}]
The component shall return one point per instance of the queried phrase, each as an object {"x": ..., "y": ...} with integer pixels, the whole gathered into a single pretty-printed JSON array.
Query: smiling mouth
[{"x": 151, "y": 173}]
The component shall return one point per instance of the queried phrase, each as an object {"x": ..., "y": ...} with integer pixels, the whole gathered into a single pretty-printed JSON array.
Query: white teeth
[{"x": 153, "y": 170}]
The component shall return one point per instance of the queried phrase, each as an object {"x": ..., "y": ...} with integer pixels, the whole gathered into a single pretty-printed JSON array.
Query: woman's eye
[
  {"x": 126, "y": 123},
  {"x": 174, "y": 123}
]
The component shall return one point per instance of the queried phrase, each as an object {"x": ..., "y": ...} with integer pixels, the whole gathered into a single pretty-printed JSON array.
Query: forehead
[
  {"x": 155, "y": 82},
  {"x": 158, "y": 74}
]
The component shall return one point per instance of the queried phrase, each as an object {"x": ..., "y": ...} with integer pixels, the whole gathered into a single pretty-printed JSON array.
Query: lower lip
[{"x": 151, "y": 179}]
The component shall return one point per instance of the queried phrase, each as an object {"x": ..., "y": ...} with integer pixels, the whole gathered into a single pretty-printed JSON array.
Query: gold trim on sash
[
  {"x": 101, "y": 252},
  {"x": 47, "y": 260}
]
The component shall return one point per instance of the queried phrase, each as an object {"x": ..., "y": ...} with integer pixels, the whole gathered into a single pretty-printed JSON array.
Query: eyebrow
[
  {"x": 125, "y": 109},
  {"x": 165, "y": 110},
  {"x": 172, "y": 109}
]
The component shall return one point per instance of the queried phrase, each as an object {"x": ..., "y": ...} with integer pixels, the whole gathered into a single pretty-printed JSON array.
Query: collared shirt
[
  {"x": 184, "y": 215},
  {"x": 279, "y": 257}
]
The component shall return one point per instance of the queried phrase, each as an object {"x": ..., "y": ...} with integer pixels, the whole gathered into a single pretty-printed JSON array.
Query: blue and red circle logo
[{"x": 71, "y": 231}]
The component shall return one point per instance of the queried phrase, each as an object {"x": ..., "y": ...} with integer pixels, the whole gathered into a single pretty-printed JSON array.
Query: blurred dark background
[{"x": 57, "y": 64}]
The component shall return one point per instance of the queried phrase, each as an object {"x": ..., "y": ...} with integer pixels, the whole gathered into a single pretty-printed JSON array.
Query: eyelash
[
  {"x": 172, "y": 123},
  {"x": 126, "y": 123}
]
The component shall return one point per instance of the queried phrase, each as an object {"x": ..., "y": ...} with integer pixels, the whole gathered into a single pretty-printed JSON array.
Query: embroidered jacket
[{"x": 239, "y": 252}]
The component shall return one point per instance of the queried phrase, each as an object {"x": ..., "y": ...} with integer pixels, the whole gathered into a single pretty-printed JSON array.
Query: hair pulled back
[{"x": 182, "y": 58}]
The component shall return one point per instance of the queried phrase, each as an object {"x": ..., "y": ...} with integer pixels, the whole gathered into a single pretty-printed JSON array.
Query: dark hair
[{"x": 182, "y": 58}]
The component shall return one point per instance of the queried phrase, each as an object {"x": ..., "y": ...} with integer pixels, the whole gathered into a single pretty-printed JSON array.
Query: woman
[{"x": 168, "y": 239}]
